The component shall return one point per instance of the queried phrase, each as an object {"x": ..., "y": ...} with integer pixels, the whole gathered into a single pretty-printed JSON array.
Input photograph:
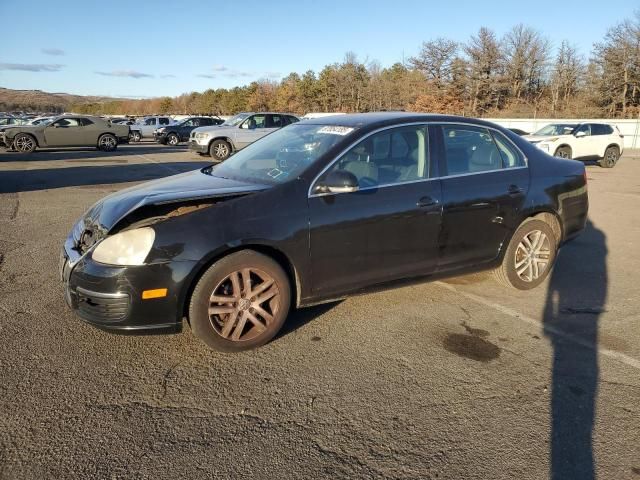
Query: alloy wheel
[
  {"x": 244, "y": 304},
  {"x": 173, "y": 140},
  {"x": 107, "y": 142},
  {"x": 221, "y": 150},
  {"x": 532, "y": 256},
  {"x": 611, "y": 157},
  {"x": 24, "y": 143}
]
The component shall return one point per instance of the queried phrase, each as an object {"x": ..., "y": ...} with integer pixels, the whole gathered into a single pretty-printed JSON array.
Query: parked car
[
  {"x": 236, "y": 133},
  {"x": 66, "y": 131},
  {"x": 179, "y": 132},
  {"x": 597, "y": 141},
  {"x": 145, "y": 127},
  {"x": 7, "y": 121},
  {"x": 316, "y": 211},
  {"x": 518, "y": 131}
]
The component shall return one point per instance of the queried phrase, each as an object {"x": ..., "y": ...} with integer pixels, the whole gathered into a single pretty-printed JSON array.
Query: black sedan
[
  {"x": 316, "y": 211},
  {"x": 174, "y": 134}
]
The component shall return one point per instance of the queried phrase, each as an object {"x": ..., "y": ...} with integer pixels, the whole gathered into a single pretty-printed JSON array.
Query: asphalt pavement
[{"x": 453, "y": 379}]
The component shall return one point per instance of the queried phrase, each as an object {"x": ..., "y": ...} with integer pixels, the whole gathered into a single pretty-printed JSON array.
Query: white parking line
[{"x": 620, "y": 357}]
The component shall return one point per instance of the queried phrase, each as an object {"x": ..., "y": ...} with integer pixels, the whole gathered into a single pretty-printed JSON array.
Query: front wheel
[
  {"x": 173, "y": 139},
  {"x": 220, "y": 150},
  {"x": 107, "y": 142},
  {"x": 135, "y": 136},
  {"x": 240, "y": 302},
  {"x": 611, "y": 156},
  {"x": 529, "y": 257},
  {"x": 563, "y": 152},
  {"x": 24, "y": 143}
]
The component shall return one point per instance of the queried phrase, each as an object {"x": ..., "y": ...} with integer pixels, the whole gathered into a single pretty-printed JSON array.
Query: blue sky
[{"x": 143, "y": 48}]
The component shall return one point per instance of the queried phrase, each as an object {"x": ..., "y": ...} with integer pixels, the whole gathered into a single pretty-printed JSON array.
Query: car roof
[{"x": 381, "y": 119}]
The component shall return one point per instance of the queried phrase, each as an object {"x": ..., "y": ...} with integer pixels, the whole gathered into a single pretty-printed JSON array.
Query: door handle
[
  {"x": 514, "y": 190},
  {"x": 426, "y": 202}
]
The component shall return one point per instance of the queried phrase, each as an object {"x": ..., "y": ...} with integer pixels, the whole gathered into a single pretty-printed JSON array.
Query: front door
[
  {"x": 484, "y": 184},
  {"x": 250, "y": 130},
  {"x": 64, "y": 132},
  {"x": 386, "y": 230}
]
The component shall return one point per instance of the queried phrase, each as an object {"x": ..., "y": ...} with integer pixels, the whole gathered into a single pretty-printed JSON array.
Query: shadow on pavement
[
  {"x": 80, "y": 154},
  {"x": 13, "y": 181},
  {"x": 576, "y": 298}
]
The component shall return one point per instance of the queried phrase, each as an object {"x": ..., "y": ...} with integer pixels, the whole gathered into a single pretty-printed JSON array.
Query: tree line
[{"x": 519, "y": 74}]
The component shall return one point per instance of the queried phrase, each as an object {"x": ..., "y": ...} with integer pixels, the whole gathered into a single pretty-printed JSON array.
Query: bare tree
[
  {"x": 485, "y": 70},
  {"x": 435, "y": 60},
  {"x": 566, "y": 76}
]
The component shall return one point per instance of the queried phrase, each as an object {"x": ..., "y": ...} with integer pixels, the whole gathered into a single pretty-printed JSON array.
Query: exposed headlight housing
[{"x": 130, "y": 247}]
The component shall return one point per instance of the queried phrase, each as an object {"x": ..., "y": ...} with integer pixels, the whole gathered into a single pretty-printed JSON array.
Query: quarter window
[
  {"x": 390, "y": 157},
  {"x": 601, "y": 129},
  {"x": 511, "y": 156},
  {"x": 470, "y": 149}
]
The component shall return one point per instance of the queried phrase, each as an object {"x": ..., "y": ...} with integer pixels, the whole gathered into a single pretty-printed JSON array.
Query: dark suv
[{"x": 174, "y": 134}]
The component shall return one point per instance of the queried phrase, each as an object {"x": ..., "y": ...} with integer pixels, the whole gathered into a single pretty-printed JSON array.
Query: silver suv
[{"x": 236, "y": 133}]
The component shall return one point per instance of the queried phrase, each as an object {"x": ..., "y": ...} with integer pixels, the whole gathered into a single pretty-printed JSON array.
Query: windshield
[
  {"x": 235, "y": 120},
  {"x": 557, "y": 129},
  {"x": 282, "y": 155}
]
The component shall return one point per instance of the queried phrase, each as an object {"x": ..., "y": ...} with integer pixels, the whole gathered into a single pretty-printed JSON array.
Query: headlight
[
  {"x": 543, "y": 146},
  {"x": 126, "y": 248},
  {"x": 202, "y": 135}
]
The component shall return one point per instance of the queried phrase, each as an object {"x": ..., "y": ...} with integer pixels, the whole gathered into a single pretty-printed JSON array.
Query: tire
[
  {"x": 24, "y": 143},
  {"x": 173, "y": 139},
  {"x": 611, "y": 156},
  {"x": 107, "y": 142},
  {"x": 220, "y": 150},
  {"x": 508, "y": 273},
  {"x": 227, "y": 326},
  {"x": 563, "y": 152},
  {"x": 135, "y": 136}
]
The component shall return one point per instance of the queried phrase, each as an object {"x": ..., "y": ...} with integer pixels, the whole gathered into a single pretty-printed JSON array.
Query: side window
[
  {"x": 470, "y": 150},
  {"x": 511, "y": 156},
  {"x": 275, "y": 121},
  {"x": 85, "y": 122},
  {"x": 67, "y": 122},
  {"x": 585, "y": 127},
  {"x": 190, "y": 123},
  {"x": 164, "y": 121},
  {"x": 390, "y": 157},
  {"x": 601, "y": 129},
  {"x": 293, "y": 119},
  {"x": 150, "y": 121},
  {"x": 254, "y": 121},
  {"x": 205, "y": 122}
]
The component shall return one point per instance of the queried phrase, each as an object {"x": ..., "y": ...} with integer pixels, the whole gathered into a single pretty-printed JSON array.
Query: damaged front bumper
[{"x": 110, "y": 297}]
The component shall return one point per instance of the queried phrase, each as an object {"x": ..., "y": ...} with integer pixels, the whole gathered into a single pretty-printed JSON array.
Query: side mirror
[
  {"x": 339, "y": 181},
  {"x": 580, "y": 134}
]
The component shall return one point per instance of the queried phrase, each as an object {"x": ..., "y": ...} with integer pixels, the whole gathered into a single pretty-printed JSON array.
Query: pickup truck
[{"x": 146, "y": 126}]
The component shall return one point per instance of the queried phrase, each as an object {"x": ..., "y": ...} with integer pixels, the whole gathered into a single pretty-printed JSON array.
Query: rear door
[
  {"x": 89, "y": 131},
  {"x": 386, "y": 230},
  {"x": 485, "y": 181}
]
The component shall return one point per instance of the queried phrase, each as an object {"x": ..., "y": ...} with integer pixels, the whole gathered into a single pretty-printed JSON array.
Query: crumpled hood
[{"x": 106, "y": 213}]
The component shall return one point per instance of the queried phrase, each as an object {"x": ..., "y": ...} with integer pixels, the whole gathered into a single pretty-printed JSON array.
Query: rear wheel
[
  {"x": 611, "y": 156},
  {"x": 173, "y": 139},
  {"x": 563, "y": 152},
  {"x": 240, "y": 302},
  {"x": 529, "y": 257},
  {"x": 135, "y": 136},
  {"x": 24, "y": 143},
  {"x": 220, "y": 150},
  {"x": 107, "y": 142}
]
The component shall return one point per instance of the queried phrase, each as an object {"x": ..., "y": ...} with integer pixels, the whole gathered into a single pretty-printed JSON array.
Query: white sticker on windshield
[{"x": 336, "y": 130}]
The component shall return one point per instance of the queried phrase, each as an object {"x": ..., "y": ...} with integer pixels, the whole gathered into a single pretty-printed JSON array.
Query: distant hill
[{"x": 39, "y": 101}]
